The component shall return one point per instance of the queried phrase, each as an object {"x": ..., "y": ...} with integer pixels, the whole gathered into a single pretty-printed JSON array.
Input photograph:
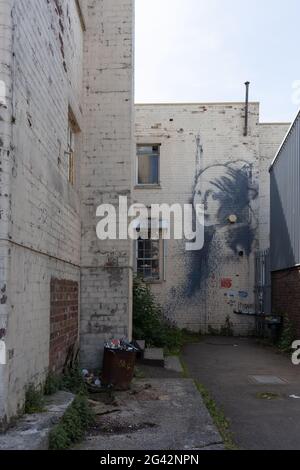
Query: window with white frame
[
  {"x": 150, "y": 258},
  {"x": 148, "y": 160}
]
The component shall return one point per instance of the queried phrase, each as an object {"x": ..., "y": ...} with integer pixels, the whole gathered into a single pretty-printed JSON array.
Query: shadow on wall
[{"x": 282, "y": 253}]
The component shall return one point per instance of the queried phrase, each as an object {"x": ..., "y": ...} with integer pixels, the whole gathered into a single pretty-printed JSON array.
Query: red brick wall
[
  {"x": 286, "y": 295},
  {"x": 63, "y": 321}
]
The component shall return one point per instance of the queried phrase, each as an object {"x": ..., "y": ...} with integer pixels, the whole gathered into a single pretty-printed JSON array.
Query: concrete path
[
  {"x": 253, "y": 384},
  {"x": 157, "y": 414}
]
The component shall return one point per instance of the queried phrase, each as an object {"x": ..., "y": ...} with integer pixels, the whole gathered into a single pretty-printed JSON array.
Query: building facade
[
  {"x": 198, "y": 153},
  {"x": 285, "y": 227},
  {"x": 66, "y": 113},
  {"x": 67, "y": 145}
]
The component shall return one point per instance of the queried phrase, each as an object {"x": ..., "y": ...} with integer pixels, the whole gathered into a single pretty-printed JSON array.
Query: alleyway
[{"x": 262, "y": 415}]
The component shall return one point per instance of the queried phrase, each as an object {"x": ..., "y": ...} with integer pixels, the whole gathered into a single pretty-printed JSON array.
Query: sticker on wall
[
  {"x": 2, "y": 353},
  {"x": 226, "y": 283},
  {"x": 243, "y": 295},
  {"x": 246, "y": 309},
  {"x": 232, "y": 294}
]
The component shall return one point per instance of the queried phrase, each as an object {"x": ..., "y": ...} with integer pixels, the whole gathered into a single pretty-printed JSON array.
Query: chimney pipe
[{"x": 246, "y": 109}]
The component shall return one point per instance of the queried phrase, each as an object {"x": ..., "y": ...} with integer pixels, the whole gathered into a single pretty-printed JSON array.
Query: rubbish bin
[
  {"x": 118, "y": 368},
  {"x": 273, "y": 325}
]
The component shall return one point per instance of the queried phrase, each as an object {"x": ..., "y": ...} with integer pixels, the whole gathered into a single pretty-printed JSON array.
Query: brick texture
[
  {"x": 286, "y": 295},
  {"x": 220, "y": 127},
  {"x": 63, "y": 322}
]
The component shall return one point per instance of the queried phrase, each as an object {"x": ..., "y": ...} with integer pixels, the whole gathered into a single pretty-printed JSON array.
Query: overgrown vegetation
[
  {"x": 75, "y": 422},
  {"x": 34, "y": 400},
  {"x": 150, "y": 325},
  {"x": 72, "y": 381},
  {"x": 288, "y": 335},
  {"x": 218, "y": 417}
]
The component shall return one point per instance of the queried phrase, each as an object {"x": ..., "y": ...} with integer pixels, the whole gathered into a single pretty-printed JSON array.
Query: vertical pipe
[{"x": 246, "y": 109}]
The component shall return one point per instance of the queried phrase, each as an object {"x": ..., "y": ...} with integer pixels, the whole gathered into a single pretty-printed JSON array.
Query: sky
[{"x": 204, "y": 51}]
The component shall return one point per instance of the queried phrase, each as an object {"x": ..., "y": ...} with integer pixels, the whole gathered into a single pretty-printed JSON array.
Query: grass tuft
[
  {"x": 34, "y": 400},
  {"x": 218, "y": 417},
  {"x": 75, "y": 422}
]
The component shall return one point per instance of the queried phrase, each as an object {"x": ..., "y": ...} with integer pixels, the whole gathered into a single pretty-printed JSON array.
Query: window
[
  {"x": 70, "y": 155},
  {"x": 150, "y": 258},
  {"x": 148, "y": 164},
  {"x": 150, "y": 254}
]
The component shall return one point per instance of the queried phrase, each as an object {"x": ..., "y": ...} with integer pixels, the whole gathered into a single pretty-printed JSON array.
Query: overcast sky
[{"x": 204, "y": 51}]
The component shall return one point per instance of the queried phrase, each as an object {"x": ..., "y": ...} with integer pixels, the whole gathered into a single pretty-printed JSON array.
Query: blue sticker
[{"x": 243, "y": 295}]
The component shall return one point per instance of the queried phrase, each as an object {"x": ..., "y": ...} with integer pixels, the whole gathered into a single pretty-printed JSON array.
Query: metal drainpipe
[
  {"x": 6, "y": 86},
  {"x": 246, "y": 109}
]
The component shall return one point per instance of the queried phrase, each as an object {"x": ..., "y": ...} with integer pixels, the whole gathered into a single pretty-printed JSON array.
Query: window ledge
[
  {"x": 149, "y": 281},
  {"x": 148, "y": 186}
]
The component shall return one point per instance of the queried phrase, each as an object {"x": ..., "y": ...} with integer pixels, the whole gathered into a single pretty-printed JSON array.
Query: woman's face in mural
[{"x": 224, "y": 191}]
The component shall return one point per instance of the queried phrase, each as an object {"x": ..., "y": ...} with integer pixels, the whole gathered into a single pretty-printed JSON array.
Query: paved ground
[
  {"x": 157, "y": 414},
  {"x": 31, "y": 432},
  {"x": 226, "y": 366}
]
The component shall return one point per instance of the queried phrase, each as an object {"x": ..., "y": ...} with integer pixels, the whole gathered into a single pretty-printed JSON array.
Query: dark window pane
[
  {"x": 148, "y": 259},
  {"x": 148, "y": 165}
]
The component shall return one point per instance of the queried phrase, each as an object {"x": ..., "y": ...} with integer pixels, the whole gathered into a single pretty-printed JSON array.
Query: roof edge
[
  {"x": 215, "y": 103},
  {"x": 284, "y": 140}
]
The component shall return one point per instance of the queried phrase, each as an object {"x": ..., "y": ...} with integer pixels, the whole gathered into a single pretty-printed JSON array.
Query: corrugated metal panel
[{"x": 285, "y": 202}]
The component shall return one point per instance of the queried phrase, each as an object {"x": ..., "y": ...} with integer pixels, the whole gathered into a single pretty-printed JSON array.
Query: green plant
[
  {"x": 218, "y": 417},
  {"x": 34, "y": 400},
  {"x": 59, "y": 439},
  {"x": 287, "y": 335},
  {"x": 267, "y": 396},
  {"x": 73, "y": 381},
  {"x": 150, "y": 325},
  {"x": 53, "y": 384},
  {"x": 76, "y": 420}
]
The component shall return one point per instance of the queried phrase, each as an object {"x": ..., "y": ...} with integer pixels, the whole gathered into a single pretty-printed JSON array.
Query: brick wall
[
  {"x": 106, "y": 173},
  {"x": 43, "y": 64},
  {"x": 64, "y": 322},
  {"x": 286, "y": 295},
  {"x": 235, "y": 182}
]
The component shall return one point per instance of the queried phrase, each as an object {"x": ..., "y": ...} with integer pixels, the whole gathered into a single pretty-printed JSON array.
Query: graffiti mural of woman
[{"x": 227, "y": 191}]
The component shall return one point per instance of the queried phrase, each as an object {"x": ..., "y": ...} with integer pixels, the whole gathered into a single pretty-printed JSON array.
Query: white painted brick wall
[
  {"x": 220, "y": 127},
  {"x": 41, "y": 223},
  {"x": 106, "y": 172},
  {"x": 43, "y": 237},
  {"x": 5, "y": 176}
]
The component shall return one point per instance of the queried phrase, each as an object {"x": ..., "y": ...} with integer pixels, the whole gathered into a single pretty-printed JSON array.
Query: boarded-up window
[{"x": 63, "y": 322}]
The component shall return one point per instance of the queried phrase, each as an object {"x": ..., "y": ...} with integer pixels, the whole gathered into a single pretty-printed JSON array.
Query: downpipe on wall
[{"x": 247, "y": 84}]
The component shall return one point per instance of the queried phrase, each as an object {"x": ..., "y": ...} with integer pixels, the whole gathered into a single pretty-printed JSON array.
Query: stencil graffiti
[
  {"x": 225, "y": 190},
  {"x": 226, "y": 283}
]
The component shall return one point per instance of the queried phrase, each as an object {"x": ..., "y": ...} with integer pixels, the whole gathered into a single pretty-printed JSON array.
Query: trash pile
[
  {"x": 122, "y": 345},
  {"x": 91, "y": 379}
]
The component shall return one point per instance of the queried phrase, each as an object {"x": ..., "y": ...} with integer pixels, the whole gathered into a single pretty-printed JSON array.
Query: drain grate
[{"x": 267, "y": 380}]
